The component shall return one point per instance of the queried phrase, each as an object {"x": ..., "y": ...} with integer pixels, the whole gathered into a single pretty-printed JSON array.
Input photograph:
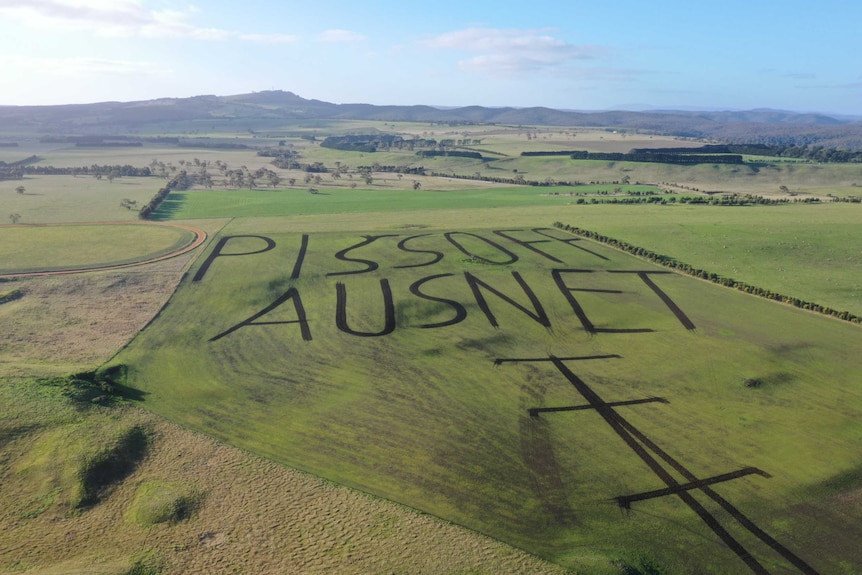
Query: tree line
[
  {"x": 149, "y": 209},
  {"x": 16, "y": 170},
  {"x": 685, "y": 268},
  {"x": 815, "y": 153},
  {"x": 714, "y": 200},
  {"x": 370, "y": 143},
  {"x": 449, "y": 153}
]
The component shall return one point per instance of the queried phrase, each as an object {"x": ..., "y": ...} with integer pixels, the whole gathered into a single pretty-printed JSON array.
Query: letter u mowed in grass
[{"x": 523, "y": 382}]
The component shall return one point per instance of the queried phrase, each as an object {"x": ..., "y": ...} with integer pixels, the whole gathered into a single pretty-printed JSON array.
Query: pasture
[
  {"x": 808, "y": 251},
  {"x": 242, "y": 203},
  {"x": 409, "y": 370},
  {"x": 55, "y": 248}
]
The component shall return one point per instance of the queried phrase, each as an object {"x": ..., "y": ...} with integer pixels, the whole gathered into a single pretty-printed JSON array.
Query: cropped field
[{"x": 300, "y": 357}]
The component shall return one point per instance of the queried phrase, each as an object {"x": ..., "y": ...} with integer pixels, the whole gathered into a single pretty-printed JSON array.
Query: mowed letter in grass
[{"x": 425, "y": 366}]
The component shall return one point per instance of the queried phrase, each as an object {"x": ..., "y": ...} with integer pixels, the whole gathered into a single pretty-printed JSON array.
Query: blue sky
[{"x": 569, "y": 54}]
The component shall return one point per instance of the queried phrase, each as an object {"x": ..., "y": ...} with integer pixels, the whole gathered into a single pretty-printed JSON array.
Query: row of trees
[
  {"x": 116, "y": 171},
  {"x": 451, "y": 153},
  {"x": 685, "y": 268},
  {"x": 723, "y": 200},
  {"x": 150, "y": 208},
  {"x": 371, "y": 143},
  {"x": 821, "y": 154},
  {"x": 16, "y": 170}
]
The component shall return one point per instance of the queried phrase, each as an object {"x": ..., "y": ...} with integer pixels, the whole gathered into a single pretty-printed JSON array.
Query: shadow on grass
[{"x": 169, "y": 208}]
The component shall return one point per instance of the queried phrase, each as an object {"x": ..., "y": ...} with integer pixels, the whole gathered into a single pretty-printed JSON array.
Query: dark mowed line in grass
[{"x": 638, "y": 442}]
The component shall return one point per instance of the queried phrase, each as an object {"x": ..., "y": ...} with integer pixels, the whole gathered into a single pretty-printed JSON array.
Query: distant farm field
[
  {"x": 427, "y": 365},
  {"x": 241, "y": 203},
  {"x": 60, "y": 199}
]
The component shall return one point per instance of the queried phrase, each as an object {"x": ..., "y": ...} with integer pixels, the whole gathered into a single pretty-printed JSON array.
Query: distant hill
[{"x": 752, "y": 126}]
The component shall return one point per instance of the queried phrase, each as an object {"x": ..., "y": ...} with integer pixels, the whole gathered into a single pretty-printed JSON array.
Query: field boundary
[
  {"x": 200, "y": 238},
  {"x": 684, "y": 268}
]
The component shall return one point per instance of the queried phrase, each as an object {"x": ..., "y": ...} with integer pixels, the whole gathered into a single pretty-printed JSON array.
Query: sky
[{"x": 565, "y": 54}]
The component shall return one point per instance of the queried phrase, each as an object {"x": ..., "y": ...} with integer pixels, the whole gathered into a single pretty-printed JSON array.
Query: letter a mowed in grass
[{"x": 369, "y": 359}]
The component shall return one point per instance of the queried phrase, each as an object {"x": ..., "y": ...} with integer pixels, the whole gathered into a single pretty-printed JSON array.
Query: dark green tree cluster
[
  {"x": 414, "y": 170},
  {"x": 16, "y": 170},
  {"x": 449, "y": 153},
  {"x": 848, "y": 199},
  {"x": 118, "y": 170},
  {"x": 150, "y": 208},
  {"x": 685, "y": 268},
  {"x": 370, "y": 143},
  {"x": 812, "y": 153}
]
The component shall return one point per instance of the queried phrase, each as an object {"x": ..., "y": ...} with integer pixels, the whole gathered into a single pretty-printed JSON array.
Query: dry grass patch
[
  {"x": 199, "y": 506},
  {"x": 74, "y": 322}
]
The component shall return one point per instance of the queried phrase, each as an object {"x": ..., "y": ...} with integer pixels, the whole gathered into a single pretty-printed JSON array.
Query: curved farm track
[{"x": 200, "y": 237}]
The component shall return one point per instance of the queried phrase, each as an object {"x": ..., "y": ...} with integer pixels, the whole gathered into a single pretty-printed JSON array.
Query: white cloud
[
  {"x": 512, "y": 51},
  {"x": 269, "y": 38},
  {"x": 340, "y": 36},
  {"x": 77, "y": 67},
  {"x": 120, "y": 18}
]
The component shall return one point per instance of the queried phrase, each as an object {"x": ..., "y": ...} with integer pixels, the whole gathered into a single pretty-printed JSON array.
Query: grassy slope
[
  {"x": 423, "y": 417},
  {"x": 249, "y": 516}
]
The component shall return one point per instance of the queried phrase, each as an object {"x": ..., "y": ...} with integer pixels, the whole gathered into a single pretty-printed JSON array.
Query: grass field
[
  {"x": 62, "y": 199},
  {"x": 423, "y": 416},
  {"x": 810, "y": 251},
  {"x": 26, "y": 249},
  {"x": 807, "y": 251},
  {"x": 240, "y": 203}
]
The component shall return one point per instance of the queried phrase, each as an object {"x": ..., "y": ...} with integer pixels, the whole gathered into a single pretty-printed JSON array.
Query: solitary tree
[
  {"x": 416, "y": 185},
  {"x": 20, "y": 189},
  {"x": 274, "y": 179},
  {"x": 15, "y": 217}
]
